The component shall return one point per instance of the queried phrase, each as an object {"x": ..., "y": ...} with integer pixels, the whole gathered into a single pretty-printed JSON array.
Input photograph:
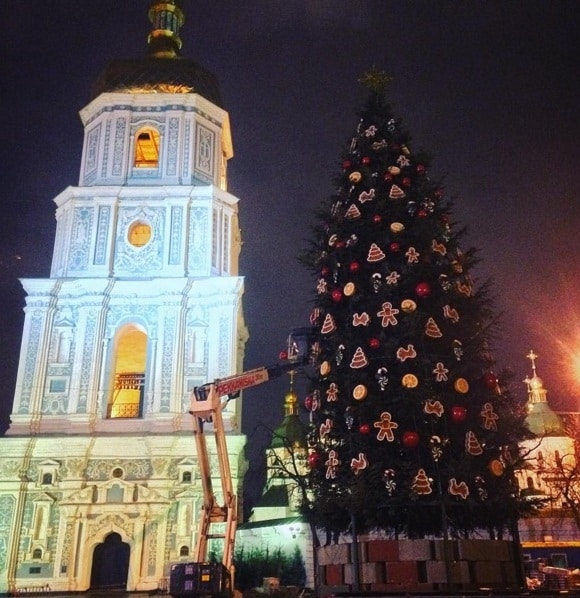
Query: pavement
[{"x": 87, "y": 594}]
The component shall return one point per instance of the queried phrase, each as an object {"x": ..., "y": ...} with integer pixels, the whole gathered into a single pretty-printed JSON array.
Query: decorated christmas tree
[{"x": 410, "y": 428}]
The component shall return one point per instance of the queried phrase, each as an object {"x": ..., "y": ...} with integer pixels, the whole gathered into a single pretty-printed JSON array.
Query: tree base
[{"x": 395, "y": 566}]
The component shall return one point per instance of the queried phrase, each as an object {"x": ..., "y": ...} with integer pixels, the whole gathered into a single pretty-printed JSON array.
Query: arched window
[
  {"x": 184, "y": 551},
  {"x": 129, "y": 363},
  {"x": 147, "y": 148},
  {"x": 186, "y": 477},
  {"x": 47, "y": 479},
  {"x": 37, "y": 553}
]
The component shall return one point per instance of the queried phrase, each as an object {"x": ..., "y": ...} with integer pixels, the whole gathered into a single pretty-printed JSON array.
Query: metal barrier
[
  {"x": 33, "y": 591},
  {"x": 163, "y": 585}
]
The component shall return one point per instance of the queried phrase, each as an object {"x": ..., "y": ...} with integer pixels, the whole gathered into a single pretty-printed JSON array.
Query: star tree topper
[{"x": 375, "y": 79}]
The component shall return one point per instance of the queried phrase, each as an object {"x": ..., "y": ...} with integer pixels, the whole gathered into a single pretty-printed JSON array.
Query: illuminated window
[
  {"x": 139, "y": 234},
  {"x": 128, "y": 376},
  {"x": 147, "y": 148}
]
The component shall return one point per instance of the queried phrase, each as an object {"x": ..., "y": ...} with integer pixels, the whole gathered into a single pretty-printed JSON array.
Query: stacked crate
[{"x": 418, "y": 565}]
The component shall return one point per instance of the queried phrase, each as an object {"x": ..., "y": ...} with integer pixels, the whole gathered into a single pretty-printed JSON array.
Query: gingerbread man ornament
[{"x": 386, "y": 426}]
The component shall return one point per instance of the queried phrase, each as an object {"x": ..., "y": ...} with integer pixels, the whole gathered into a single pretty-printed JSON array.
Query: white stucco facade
[{"x": 146, "y": 247}]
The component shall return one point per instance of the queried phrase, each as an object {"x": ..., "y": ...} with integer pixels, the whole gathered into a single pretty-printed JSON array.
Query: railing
[
  {"x": 120, "y": 410},
  {"x": 130, "y": 381}
]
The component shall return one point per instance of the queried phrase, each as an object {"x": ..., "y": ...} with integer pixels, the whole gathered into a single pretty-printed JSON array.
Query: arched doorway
[{"x": 110, "y": 564}]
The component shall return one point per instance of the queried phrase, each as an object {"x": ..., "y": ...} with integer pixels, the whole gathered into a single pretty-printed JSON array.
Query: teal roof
[{"x": 272, "y": 522}]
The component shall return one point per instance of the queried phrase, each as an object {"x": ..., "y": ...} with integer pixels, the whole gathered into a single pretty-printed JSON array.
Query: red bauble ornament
[
  {"x": 377, "y": 218},
  {"x": 346, "y": 164},
  {"x": 340, "y": 244},
  {"x": 364, "y": 429},
  {"x": 325, "y": 271},
  {"x": 423, "y": 290},
  {"x": 388, "y": 176},
  {"x": 309, "y": 402},
  {"x": 410, "y": 439},
  {"x": 336, "y": 295},
  {"x": 374, "y": 343},
  {"x": 395, "y": 247},
  {"x": 366, "y": 160},
  {"x": 354, "y": 266},
  {"x": 490, "y": 380},
  {"x": 283, "y": 355},
  {"x": 439, "y": 193},
  {"x": 314, "y": 460},
  {"x": 422, "y": 213},
  {"x": 406, "y": 181},
  {"x": 458, "y": 413},
  {"x": 420, "y": 168}
]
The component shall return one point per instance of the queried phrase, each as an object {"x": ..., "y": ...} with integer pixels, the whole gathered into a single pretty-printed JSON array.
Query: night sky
[{"x": 491, "y": 89}]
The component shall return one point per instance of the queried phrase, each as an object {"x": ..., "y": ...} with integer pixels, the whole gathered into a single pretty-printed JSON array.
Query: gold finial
[
  {"x": 375, "y": 79},
  {"x": 291, "y": 398},
  {"x": 166, "y": 18}
]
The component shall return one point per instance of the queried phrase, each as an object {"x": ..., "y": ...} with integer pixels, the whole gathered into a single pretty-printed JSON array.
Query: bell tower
[
  {"x": 144, "y": 298},
  {"x": 143, "y": 303}
]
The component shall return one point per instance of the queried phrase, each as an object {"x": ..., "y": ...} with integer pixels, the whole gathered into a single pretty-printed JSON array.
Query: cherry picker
[{"x": 201, "y": 577}]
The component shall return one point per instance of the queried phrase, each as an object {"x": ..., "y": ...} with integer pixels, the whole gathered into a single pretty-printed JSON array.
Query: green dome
[
  {"x": 290, "y": 433},
  {"x": 542, "y": 421}
]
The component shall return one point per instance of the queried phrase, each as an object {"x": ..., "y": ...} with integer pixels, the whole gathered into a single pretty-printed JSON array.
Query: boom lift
[{"x": 201, "y": 577}]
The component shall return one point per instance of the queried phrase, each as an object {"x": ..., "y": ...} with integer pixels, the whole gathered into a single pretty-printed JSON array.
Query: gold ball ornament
[
  {"x": 359, "y": 392},
  {"x": 496, "y": 467},
  {"x": 325, "y": 368},
  {"x": 461, "y": 385},
  {"x": 355, "y": 177},
  {"x": 397, "y": 227},
  {"x": 408, "y": 306},
  {"x": 349, "y": 289},
  {"x": 394, "y": 170},
  {"x": 410, "y": 381}
]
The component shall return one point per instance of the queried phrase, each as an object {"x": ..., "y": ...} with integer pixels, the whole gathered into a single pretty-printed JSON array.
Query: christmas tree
[{"x": 410, "y": 431}]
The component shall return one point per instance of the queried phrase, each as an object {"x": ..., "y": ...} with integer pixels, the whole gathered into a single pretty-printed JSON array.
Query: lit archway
[
  {"x": 129, "y": 365},
  {"x": 147, "y": 148}
]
